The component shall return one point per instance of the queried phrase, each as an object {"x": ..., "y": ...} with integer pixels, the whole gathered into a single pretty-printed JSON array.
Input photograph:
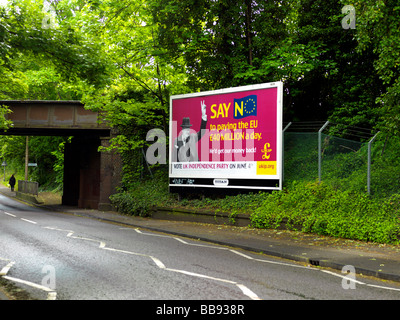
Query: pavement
[{"x": 369, "y": 259}]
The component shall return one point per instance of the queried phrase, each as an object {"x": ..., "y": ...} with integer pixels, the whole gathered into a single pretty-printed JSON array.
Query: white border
[{"x": 279, "y": 117}]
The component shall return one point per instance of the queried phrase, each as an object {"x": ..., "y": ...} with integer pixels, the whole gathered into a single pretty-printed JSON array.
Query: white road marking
[
  {"x": 30, "y": 221},
  {"x": 176, "y": 238},
  {"x": 7, "y": 268},
  {"x": 271, "y": 262},
  {"x": 161, "y": 265},
  {"x": 102, "y": 245},
  {"x": 10, "y": 214},
  {"x": 70, "y": 235},
  {"x": 14, "y": 216},
  {"x": 263, "y": 260},
  {"x": 248, "y": 292},
  {"x": 223, "y": 248},
  {"x": 158, "y": 263},
  {"x": 51, "y": 294},
  {"x": 342, "y": 276},
  {"x": 125, "y": 251}
]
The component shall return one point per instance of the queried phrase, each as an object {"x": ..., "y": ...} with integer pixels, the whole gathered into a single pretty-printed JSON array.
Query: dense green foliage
[
  {"x": 46, "y": 152},
  {"x": 125, "y": 58},
  {"x": 338, "y": 207},
  {"x": 325, "y": 210},
  {"x": 302, "y": 206},
  {"x": 145, "y": 196}
]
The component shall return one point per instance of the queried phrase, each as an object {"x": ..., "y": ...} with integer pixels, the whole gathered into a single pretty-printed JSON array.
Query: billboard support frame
[{"x": 283, "y": 149}]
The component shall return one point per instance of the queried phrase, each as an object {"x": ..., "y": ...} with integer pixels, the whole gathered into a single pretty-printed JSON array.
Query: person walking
[{"x": 12, "y": 182}]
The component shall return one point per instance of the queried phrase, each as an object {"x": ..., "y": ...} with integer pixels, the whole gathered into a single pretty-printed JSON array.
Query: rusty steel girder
[{"x": 47, "y": 117}]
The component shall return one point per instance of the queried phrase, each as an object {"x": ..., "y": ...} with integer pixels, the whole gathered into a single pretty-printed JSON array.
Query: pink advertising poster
[{"x": 228, "y": 138}]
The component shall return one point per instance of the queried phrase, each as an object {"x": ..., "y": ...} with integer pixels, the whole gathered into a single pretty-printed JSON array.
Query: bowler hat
[{"x": 186, "y": 123}]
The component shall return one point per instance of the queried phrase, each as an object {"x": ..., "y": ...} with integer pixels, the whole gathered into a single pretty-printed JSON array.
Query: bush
[
  {"x": 322, "y": 209},
  {"x": 143, "y": 196}
]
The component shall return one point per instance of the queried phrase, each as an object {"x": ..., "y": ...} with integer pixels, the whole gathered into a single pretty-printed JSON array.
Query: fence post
[
  {"x": 369, "y": 163},
  {"x": 283, "y": 150},
  {"x": 320, "y": 151}
]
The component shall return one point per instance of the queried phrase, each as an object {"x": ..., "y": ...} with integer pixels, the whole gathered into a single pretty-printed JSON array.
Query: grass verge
[{"x": 302, "y": 206}]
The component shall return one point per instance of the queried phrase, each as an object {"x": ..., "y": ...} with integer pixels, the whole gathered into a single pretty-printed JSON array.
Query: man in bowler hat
[{"x": 185, "y": 146}]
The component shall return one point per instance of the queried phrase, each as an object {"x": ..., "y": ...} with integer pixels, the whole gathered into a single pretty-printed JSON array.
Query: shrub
[
  {"x": 144, "y": 196},
  {"x": 322, "y": 209},
  {"x": 308, "y": 207}
]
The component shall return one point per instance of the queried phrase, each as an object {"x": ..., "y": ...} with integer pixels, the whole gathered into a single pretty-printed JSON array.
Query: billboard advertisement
[{"x": 228, "y": 138}]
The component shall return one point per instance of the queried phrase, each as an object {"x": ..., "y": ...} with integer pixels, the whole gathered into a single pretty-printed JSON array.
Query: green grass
[
  {"x": 302, "y": 206},
  {"x": 325, "y": 210},
  {"x": 338, "y": 207}
]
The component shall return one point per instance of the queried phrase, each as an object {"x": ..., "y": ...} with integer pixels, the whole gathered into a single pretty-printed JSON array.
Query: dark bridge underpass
[{"x": 90, "y": 176}]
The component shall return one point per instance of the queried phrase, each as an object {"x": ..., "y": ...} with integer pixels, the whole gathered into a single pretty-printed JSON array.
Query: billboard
[{"x": 228, "y": 138}]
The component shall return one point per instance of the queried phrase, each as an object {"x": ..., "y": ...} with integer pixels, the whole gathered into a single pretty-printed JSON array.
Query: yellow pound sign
[{"x": 266, "y": 151}]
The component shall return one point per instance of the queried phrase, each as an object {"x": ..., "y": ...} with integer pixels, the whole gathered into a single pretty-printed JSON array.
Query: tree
[
  {"x": 126, "y": 58},
  {"x": 22, "y": 31},
  {"x": 222, "y": 43},
  {"x": 136, "y": 97},
  {"x": 378, "y": 29},
  {"x": 43, "y": 61}
]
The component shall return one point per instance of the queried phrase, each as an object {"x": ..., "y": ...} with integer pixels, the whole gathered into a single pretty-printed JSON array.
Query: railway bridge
[{"x": 90, "y": 176}]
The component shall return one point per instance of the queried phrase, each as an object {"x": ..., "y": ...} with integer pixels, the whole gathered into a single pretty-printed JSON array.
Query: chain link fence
[{"x": 342, "y": 156}]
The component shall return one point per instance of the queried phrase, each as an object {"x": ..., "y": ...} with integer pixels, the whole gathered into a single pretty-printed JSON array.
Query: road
[{"x": 60, "y": 256}]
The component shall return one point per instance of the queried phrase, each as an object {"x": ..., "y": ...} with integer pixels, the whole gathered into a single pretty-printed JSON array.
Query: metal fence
[
  {"x": 30, "y": 187},
  {"x": 329, "y": 152}
]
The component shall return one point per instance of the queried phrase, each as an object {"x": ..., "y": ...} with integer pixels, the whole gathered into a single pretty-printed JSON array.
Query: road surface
[{"x": 65, "y": 257}]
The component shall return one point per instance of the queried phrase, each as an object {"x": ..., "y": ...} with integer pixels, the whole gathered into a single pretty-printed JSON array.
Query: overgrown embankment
[
  {"x": 322, "y": 209},
  {"x": 308, "y": 207},
  {"x": 337, "y": 207}
]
